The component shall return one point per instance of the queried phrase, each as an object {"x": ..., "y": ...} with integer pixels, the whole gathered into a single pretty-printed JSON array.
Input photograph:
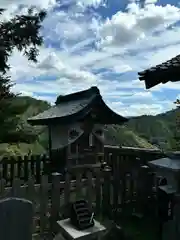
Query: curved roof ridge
[
  {"x": 76, "y": 106},
  {"x": 78, "y": 95}
]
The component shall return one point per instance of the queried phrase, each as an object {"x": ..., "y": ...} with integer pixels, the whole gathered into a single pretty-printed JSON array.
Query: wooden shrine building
[
  {"x": 162, "y": 73},
  {"x": 76, "y": 125}
]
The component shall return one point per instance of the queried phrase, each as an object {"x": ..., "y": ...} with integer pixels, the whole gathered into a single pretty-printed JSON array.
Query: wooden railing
[
  {"x": 125, "y": 188},
  {"x": 23, "y": 167},
  {"x": 134, "y": 186},
  {"x": 140, "y": 155},
  {"x": 51, "y": 200}
]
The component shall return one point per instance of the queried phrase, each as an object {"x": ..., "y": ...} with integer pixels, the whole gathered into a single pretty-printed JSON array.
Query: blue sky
[{"x": 102, "y": 43}]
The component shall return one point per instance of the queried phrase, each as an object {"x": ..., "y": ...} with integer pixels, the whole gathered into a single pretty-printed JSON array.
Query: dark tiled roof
[
  {"x": 162, "y": 73},
  {"x": 62, "y": 110},
  {"x": 75, "y": 106}
]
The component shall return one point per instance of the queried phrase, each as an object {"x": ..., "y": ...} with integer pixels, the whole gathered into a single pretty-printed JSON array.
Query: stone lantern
[
  {"x": 168, "y": 196},
  {"x": 168, "y": 168}
]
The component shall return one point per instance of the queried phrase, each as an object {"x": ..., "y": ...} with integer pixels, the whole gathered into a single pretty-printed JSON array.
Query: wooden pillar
[
  {"x": 106, "y": 191},
  {"x": 50, "y": 147},
  {"x": 102, "y": 156},
  {"x": 177, "y": 177}
]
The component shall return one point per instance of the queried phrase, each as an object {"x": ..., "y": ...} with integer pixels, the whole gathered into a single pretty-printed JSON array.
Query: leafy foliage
[
  {"x": 25, "y": 139},
  {"x": 177, "y": 132},
  {"x": 22, "y": 33}
]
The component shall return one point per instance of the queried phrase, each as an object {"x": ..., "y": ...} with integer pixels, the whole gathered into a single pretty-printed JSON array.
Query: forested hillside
[
  {"x": 27, "y": 139},
  {"x": 124, "y": 136},
  {"x": 162, "y": 126},
  {"x": 138, "y": 132}
]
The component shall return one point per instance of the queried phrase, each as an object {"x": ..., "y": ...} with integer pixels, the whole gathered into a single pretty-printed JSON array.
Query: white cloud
[
  {"x": 62, "y": 70},
  {"x": 94, "y": 3},
  {"x": 39, "y": 3},
  {"x": 122, "y": 68},
  {"x": 67, "y": 63},
  {"x": 139, "y": 108},
  {"x": 162, "y": 55},
  {"x": 150, "y": 1},
  {"x": 171, "y": 85},
  {"x": 65, "y": 28},
  {"x": 136, "y": 24}
]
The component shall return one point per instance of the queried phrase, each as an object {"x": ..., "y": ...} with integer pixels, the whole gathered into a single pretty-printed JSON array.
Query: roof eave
[
  {"x": 113, "y": 118},
  {"x": 65, "y": 119},
  {"x": 58, "y": 120},
  {"x": 168, "y": 71}
]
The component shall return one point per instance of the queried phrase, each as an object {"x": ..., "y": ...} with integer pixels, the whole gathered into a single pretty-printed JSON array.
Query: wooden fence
[
  {"x": 23, "y": 167},
  {"x": 51, "y": 200},
  {"x": 112, "y": 192},
  {"x": 140, "y": 156},
  {"x": 134, "y": 187}
]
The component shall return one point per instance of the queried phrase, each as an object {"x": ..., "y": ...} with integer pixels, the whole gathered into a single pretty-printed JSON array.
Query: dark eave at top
[
  {"x": 75, "y": 107},
  {"x": 162, "y": 73}
]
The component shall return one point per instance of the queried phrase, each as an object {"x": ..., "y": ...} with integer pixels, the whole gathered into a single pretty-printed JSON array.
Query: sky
[{"x": 102, "y": 43}]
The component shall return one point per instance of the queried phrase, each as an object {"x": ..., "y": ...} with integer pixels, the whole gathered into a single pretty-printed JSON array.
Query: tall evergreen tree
[{"x": 22, "y": 32}]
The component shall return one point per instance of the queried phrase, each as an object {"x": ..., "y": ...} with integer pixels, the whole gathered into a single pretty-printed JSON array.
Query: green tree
[
  {"x": 22, "y": 33},
  {"x": 176, "y": 138}
]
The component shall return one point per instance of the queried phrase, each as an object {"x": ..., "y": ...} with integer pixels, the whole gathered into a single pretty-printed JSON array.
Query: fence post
[
  {"x": 19, "y": 167},
  {"x": 26, "y": 172},
  {"x": 12, "y": 175},
  {"x": 143, "y": 189},
  {"x": 89, "y": 189},
  {"x": 2, "y": 188},
  {"x": 4, "y": 165},
  {"x": 16, "y": 188},
  {"x": 122, "y": 172},
  {"x": 67, "y": 186},
  {"x": 32, "y": 164},
  {"x": 38, "y": 169},
  {"x": 55, "y": 204},
  {"x": 78, "y": 185},
  {"x": 98, "y": 191},
  {"x": 116, "y": 184},
  {"x": 31, "y": 195},
  {"x": 31, "y": 192},
  {"x": 106, "y": 206},
  {"x": 43, "y": 204},
  {"x": 46, "y": 165}
]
